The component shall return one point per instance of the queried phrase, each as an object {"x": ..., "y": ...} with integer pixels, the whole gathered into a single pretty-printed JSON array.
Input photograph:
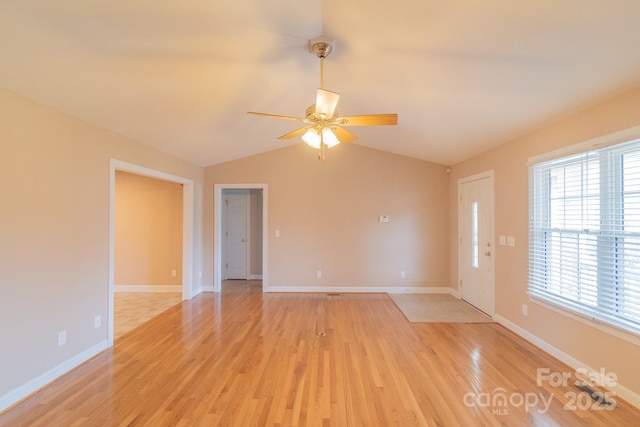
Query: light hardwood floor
[{"x": 243, "y": 358}]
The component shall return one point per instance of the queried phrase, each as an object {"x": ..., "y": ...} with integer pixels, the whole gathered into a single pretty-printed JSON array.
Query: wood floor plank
[{"x": 243, "y": 358}]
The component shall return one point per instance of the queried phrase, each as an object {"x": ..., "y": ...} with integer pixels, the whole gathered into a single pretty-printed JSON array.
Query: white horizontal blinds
[
  {"x": 621, "y": 292},
  {"x": 585, "y": 233}
]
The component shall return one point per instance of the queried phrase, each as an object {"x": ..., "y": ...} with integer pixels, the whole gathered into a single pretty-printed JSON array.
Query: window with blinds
[{"x": 584, "y": 252}]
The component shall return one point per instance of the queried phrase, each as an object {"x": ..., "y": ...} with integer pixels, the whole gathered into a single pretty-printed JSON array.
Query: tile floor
[{"x": 132, "y": 309}]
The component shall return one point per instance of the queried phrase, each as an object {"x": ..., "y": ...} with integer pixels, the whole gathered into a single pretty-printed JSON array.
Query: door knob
[
  {"x": 244, "y": 240},
  {"x": 487, "y": 253}
]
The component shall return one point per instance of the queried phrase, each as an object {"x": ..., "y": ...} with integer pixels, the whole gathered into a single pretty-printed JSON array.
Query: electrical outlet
[
  {"x": 524, "y": 309},
  {"x": 97, "y": 321},
  {"x": 173, "y": 273},
  {"x": 319, "y": 274},
  {"x": 402, "y": 274},
  {"x": 62, "y": 338}
]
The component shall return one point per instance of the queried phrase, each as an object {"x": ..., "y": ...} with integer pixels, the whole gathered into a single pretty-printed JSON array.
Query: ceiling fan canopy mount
[{"x": 322, "y": 46}]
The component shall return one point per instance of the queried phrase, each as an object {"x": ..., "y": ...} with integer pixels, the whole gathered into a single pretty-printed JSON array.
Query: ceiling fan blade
[
  {"x": 326, "y": 102},
  {"x": 344, "y": 135},
  {"x": 275, "y": 116},
  {"x": 294, "y": 133},
  {"x": 369, "y": 120}
]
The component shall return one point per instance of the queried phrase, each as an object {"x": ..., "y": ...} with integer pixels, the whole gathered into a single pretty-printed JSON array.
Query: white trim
[
  {"x": 420, "y": 290},
  {"x": 188, "y": 219},
  {"x": 247, "y": 225},
  {"x": 146, "y": 288},
  {"x": 255, "y": 277},
  {"x": 208, "y": 288},
  {"x": 217, "y": 227},
  {"x": 23, "y": 391},
  {"x": 630, "y": 396},
  {"x": 363, "y": 289},
  {"x": 592, "y": 144}
]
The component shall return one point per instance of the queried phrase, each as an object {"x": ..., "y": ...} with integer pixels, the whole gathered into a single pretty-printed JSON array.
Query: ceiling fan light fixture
[
  {"x": 312, "y": 138},
  {"x": 315, "y": 138},
  {"x": 329, "y": 138}
]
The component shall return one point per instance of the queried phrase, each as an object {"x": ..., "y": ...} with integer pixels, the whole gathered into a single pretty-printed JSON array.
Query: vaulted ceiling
[{"x": 463, "y": 75}]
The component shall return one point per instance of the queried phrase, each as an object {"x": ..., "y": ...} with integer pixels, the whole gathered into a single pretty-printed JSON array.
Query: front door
[{"x": 477, "y": 249}]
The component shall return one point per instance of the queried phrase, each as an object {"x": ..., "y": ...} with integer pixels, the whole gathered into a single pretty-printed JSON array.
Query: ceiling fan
[{"x": 323, "y": 126}]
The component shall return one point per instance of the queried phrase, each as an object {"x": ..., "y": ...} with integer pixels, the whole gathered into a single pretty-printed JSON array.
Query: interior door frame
[
  {"x": 187, "y": 229},
  {"x": 482, "y": 175},
  {"x": 218, "y": 200}
]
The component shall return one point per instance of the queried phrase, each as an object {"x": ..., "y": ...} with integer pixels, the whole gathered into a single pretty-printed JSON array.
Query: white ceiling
[{"x": 463, "y": 75}]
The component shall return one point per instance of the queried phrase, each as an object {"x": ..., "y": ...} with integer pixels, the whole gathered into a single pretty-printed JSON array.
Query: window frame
[{"x": 559, "y": 304}]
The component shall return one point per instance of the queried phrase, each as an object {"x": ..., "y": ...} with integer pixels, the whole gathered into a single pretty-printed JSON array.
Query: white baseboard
[
  {"x": 352, "y": 289},
  {"x": 363, "y": 289},
  {"x": 17, "y": 394},
  {"x": 146, "y": 288},
  {"x": 454, "y": 292},
  {"x": 420, "y": 290},
  {"x": 255, "y": 277},
  {"x": 630, "y": 396}
]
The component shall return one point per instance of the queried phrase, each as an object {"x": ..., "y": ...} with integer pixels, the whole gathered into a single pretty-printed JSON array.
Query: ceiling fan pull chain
[{"x": 322, "y": 146}]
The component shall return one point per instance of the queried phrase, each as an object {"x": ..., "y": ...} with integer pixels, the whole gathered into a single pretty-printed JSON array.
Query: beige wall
[
  {"x": 585, "y": 343},
  {"x": 54, "y": 228},
  {"x": 148, "y": 231},
  {"x": 327, "y": 214}
]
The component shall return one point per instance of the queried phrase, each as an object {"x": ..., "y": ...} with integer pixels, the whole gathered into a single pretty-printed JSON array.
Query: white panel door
[
  {"x": 476, "y": 259},
  {"x": 237, "y": 233}
]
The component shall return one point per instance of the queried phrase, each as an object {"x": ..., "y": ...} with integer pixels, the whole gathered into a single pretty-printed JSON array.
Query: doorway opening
[
  {"x": 187, "y": 231},
  {"x": 240, "y": 236}
]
